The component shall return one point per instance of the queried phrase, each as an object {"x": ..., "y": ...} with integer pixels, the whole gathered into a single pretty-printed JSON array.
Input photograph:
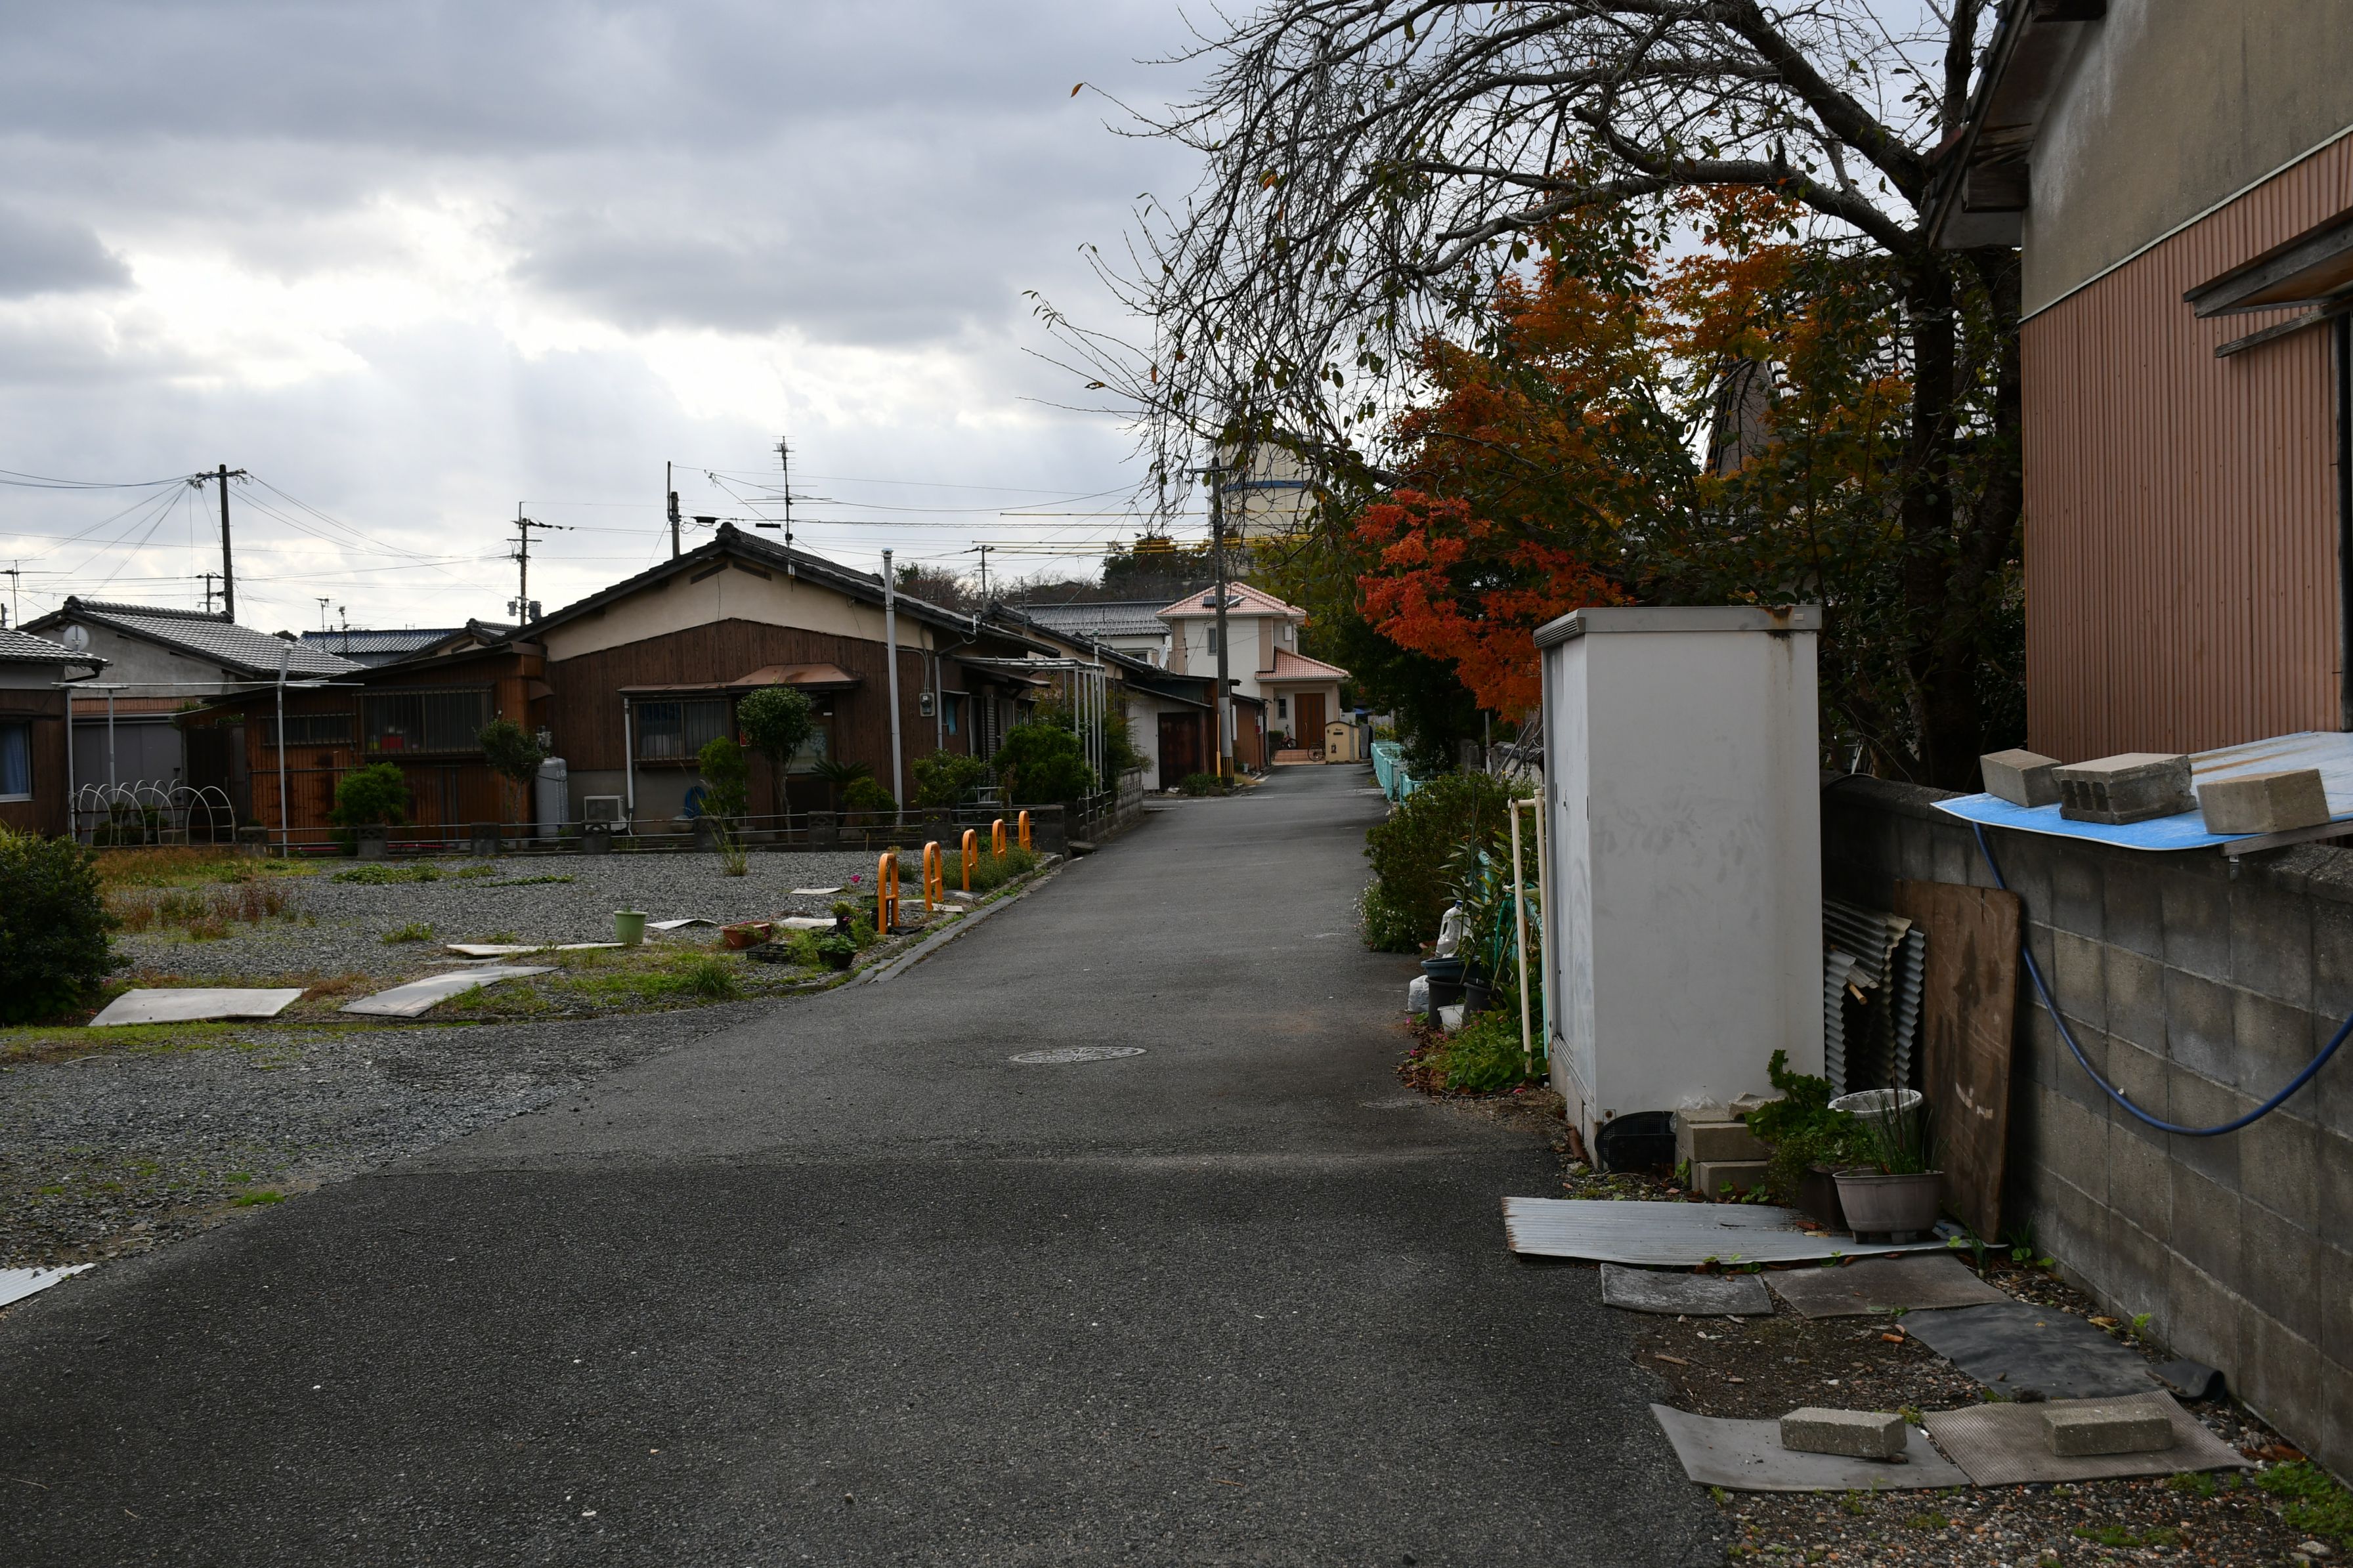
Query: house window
[
  {"x": 956, "y": 712},
  {"x": 313, "y": 729},
  {"x": 1212, "y": 629},
  {"x": 677, "y": 732},
  {"x": 815, "y": 749},
  {"x": 16, "y": 762},
  {"x": 405, "y": 721},
  {"x": 1282, "y": 707}
]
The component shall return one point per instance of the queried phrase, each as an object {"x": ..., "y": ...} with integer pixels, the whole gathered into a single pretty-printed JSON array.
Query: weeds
[
  {"x": 2117, "y": 1536},
  {"x": 204, "y": 913},
  {"x": 2316, "y": 1504},
  {"x": 250, "y": 1200},
  {"x": 415, "y": 931},
  {"x": 526, "y": 881},
  {"x": 2197, "y": 1483}
]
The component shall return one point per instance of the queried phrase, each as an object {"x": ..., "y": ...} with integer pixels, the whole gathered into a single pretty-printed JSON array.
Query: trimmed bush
[
  {"x": 1205, "y": 784},
  {"x": 370, "y": 796},
  {"x": 1412, "y": 849},
  {"x": 945, "y": 778},
  {"x": 53, "y": 926},
  {"x": 1385, "y": 928},
  {"x": 1042, "y": 764},
  {"x": 727, "y": 777}
]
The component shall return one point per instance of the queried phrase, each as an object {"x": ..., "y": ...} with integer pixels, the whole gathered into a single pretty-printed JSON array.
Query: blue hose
[{"x": 2026, "y": 952}]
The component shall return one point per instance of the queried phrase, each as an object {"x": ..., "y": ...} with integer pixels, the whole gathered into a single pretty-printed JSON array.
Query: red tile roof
[{"x": 1290, "y": 666}]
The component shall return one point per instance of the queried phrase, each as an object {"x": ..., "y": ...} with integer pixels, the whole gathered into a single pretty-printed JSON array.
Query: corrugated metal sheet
[
  {"x": 1886, "y": 973},
  {"x": 2182, "y": 517}
]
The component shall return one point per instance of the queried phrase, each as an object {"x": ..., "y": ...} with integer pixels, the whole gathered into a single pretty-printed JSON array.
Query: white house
[{"x": 1300, "y": 695}]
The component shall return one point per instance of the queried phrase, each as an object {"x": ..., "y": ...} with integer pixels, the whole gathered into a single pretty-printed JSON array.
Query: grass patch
[
  {"x": 204, "y": 913},
  {"x": 41, "y": 1042},
  {"x": 2316, "y": 1504},
  {"x": 2117, "y": 1536},
  {"x": 251, "y": 1200},
  {"x": 415, "y": 931},
  {"x": 1927, "y": 1521},
  {"x": 2197, "y": 1483},
  {"x": 527, "y": 881},
  {"x": 179, "y": 867},
  {"x": 383, "y": 874},
  {"x": 674, "y": 976}
]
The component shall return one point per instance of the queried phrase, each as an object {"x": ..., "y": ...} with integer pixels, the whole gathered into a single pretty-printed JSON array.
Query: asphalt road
[{"x": 846, "y": 1286}]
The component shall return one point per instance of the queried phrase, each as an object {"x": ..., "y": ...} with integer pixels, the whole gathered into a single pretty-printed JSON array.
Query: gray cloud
[{"x": 39, "y": 256}]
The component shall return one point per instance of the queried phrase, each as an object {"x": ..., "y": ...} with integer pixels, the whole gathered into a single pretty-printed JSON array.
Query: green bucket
[{"x": 628, "y": 927}]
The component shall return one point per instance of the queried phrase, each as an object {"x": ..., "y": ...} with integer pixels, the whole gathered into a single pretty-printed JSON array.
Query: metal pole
[
  {"x": 112, "y": 776},
  {"x": 73, "y": 801},
  {"x": 1218, "y": 551},
  {"x": 1545, "y": 927},
  {"x": 891, "y": 651},
  {"x": 629, "y": 769},
  {"x": 1520, "y": 915},
  {"x": 285, "y": 821},
  {"x": 229, "y": 572}
]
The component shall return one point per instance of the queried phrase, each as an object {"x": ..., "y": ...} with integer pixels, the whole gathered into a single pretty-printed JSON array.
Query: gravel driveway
[
  {"x": 119, "y": 1150},
  {"x": 339, "y": 927}
]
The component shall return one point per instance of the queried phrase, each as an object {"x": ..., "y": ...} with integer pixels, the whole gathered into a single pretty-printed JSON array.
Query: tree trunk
[{"x": 1943, "y": 655}]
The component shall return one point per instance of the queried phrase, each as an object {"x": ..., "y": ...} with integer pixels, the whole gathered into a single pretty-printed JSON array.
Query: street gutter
[{"x": 931, "y": 945}]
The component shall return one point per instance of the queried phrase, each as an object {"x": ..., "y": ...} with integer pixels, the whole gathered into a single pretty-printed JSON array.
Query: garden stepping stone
[
  {"x": 1884, "y": 1285},
  {"x": 2002, "y": 1445},
  {"x": 1748, "y": 1457},
  {"x": 193, "y": 1004},
  {"x": 417, "y": 996},
  {"x": 1653, "y": 1290},
  {"x": 2018, "y": 1348}
]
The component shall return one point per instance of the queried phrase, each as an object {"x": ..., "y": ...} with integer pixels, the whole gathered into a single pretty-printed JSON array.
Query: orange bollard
[
  {"x": 886, "y": 893},
  {"x": 935, "y": 882},
  {"x": 1025, "y": 830},
  {"x": 971, "y": 855},
  {"x": 997, "y": 837}
]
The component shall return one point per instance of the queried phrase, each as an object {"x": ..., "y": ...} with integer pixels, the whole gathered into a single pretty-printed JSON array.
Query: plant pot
[
  {"x": 751, "y": 934},
  {"x": 837, "y": 960},
  {"x": 1877, "y": 1204},
  {"x": 1455, "y": 970},
  {"x": 1443, "y": 993},
  {"x": 1818, "y": 1197},
  {"x": 628, "y": 927},
  {"x": 1478, "y": 995}
]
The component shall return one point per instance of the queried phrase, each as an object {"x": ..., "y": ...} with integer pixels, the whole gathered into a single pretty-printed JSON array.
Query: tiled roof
[
  {"x": 205, "y": 637},
  {"x": 24, "y": 647},
  {"x": 1241, "y": 599},
  {"x": 375, "y": 647},
  {"x": 1107, "y": 619},
  {"x": 1290, "y": 666}
]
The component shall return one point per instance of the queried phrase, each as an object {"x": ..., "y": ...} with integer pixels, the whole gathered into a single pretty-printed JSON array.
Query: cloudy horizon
[{"x": 414, "y": 266}]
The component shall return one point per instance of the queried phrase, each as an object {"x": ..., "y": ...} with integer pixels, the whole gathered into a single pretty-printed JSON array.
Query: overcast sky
[{"x": 411, "y": 264}]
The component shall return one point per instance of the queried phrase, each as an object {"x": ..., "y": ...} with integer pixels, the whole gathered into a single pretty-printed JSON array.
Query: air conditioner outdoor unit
[{"x": 607, "y": 809}]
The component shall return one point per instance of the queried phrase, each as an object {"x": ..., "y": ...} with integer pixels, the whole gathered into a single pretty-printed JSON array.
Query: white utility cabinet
[{"x": 1684, "y": 945}]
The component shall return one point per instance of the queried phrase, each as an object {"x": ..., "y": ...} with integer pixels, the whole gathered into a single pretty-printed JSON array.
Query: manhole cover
[{"x": 1062, "y": 1054}]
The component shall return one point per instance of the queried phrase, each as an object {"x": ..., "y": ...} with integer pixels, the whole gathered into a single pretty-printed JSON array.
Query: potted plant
[
  {"x": 837, "y": 949},
  {"x": 1809, "y": 1139},
  {"x": 1892, "y": 1190}
]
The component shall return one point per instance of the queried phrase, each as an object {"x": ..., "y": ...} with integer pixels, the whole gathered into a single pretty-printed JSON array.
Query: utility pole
[
  {"x": 1218, "y": 559},
  {"x": 984, "y": 574},
  {"x": 890, "y": 653},
  {"x": 520, "y": 607},
  {"x": 15, "y": 605},
  {"x": 323, "y": 599},
  {"x": 221, "y": 476},
  {"x": 784, "y": 461},
  {"x": 666, "y": 482},
  {"x": 208, "y": 579}
]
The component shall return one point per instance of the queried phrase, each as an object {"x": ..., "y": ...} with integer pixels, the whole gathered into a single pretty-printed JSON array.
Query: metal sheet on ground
[
  {"x": 1968, "y": 1006},
  {"x": 1677, "y": 1295},
  {"x": 193, "y": 1004},
  {"x": 1884, "y": 1285},
  {"x": 2016, "y": 1347},
  {"x": 517, "y": 949},
  {"x": 1748, "y": 1457},
  {"x": 2002, "y": 1445},
  {"x": 1675, "y": 1235},
  {"x": 678, "y": 924},
  {"x": 16, "y": 1284},
  {"x": 417, "y": 996}
]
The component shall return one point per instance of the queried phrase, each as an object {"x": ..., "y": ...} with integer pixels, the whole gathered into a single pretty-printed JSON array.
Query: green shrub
[
  {"x": 415, "y": 931},
  {"x": 513, "y": 752},
  {"x": 727, "y": 777},
  {"x": 1041, "y": 764},
  {"x": 866, "y": 797},
  {"x": 1801, "y": 1130},
  {"x": 370, "y": 796},
  {"x": 53, "y": 926},
  {"x": 1385, "y": 928},
  {"x": 993, "y": 871},
  {"x": 1205, "y": 784},
  {"x": 777, "y": 721},
  {"x": 945, "y": 778},
  {"x": 1413, "y": 847},
  {"x": 2317, "y": 1505},
  {"x": 1486, "y": 1056}
]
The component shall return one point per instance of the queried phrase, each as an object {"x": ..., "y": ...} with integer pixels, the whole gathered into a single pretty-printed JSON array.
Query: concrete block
[
  {"x": 1709, "y": 1177},
  {"x": 2021, "y": 777},
  {"x": 2264, "y": 803},
  {"x": 1712, "y": 1135},
  {"x": 2132, "y": 786},
  {"x": 2133, "y": 1426},
  {"x": 1855, "y": 1434}
]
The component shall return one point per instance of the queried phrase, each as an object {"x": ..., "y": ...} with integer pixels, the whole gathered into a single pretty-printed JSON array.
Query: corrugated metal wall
[{"x": 2181, "y": 515}]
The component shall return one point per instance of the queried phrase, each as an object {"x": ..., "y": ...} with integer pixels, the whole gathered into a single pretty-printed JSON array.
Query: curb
[{"x": 932, "y": 943}]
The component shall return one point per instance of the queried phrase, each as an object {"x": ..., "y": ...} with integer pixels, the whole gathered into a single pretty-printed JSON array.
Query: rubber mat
[
  {"x": 1748, "y": 1457},
  {"x": 2017, "y": 1348},
  {"x": 1884, "y": 1284},
  {"x": 2002, "y": 1445},
  {"x": 1697, "y": 1295}
]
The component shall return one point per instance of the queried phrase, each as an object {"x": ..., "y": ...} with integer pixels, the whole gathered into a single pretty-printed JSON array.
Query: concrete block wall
[{"x": 2199, "y": 993}]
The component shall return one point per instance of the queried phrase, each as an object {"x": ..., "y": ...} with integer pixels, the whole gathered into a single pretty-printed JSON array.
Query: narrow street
[{"x": 847, "y": 1285}]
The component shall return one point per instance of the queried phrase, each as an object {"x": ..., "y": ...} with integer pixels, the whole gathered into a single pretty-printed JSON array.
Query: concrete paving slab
[
  {"x": 1748, "y": 1457},
  {"x": 418, "y": 996},
  {"x": 193, "y": 1004},
  {"x": 2019, "y": 1347},
  {"x": 1882, "y": 1285},
  {"x": 2002, "y": 1445},
  {"x": 1675, "y": 1235},
  {"x": 16, "y": 1284},
  {"x": 1677, "y": 1295}
]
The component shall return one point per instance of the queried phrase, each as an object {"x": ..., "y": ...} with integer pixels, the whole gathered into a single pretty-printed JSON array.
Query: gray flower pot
[{"x": 1878, "y": 1205}]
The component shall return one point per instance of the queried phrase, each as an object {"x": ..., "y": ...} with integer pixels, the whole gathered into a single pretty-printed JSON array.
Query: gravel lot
[
  {"x": 124, "y": 1149},
  {"x": 338, "y": 927}
]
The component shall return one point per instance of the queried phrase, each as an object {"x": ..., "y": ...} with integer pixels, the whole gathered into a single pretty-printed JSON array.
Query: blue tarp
[{"x": 2330, "y": 751}]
